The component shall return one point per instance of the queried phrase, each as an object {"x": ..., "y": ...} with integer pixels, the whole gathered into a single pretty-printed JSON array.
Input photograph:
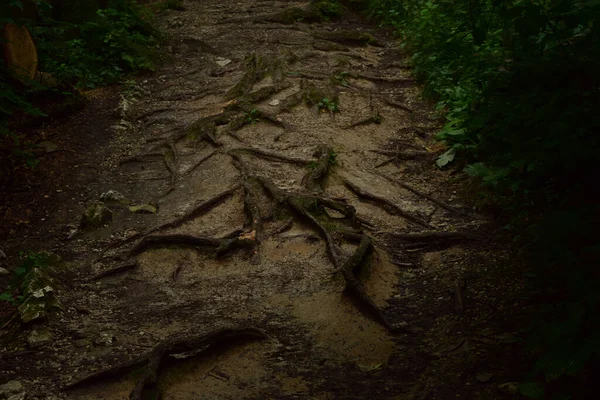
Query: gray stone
[
  {"x": 222, "y": 61},
  {"x": 10, "y": 388},
  {"x": 4, "y": 271},
  {"x": 39, "y": 337},
  {"x": 113, "y": 197},
  {"x": 95, "y": 215}
]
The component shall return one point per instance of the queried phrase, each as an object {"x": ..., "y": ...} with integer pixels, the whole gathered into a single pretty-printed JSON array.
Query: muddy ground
[{"x": 305, "y": 245}]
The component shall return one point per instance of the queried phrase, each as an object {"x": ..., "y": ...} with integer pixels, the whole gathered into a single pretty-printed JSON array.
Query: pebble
[{"x": 4, "y": 271}]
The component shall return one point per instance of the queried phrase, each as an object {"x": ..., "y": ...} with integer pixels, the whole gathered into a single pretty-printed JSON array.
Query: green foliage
[
  {"x": 23, "y": 276},
  {"x": 517, "y": 83},
  {"x": 327, "y": 104},
  {"x": 332, "y": 158},
  {"x": 252, "y": 116},
  {"x": 95, "y": 51},
  {"x": 99, "y": 51}
]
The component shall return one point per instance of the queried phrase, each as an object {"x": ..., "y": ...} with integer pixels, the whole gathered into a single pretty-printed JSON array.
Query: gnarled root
[
  {"x": 354, "y": 287},
  {"x": 147, "y": 366}
]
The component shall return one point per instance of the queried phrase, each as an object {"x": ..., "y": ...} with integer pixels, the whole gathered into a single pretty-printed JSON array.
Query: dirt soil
[{"x": 305, "y": 245}]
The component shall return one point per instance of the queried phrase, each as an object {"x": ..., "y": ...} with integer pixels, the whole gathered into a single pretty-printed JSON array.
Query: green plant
[
  {"x": 517, "y": 84},
  {"x": 252, "y": 116},
  {"x": 341, "y": 78},
  {"x": 326, "y": 104},
  {"x": 332, "y": 158},
  {"x": 31, "y": 289}
]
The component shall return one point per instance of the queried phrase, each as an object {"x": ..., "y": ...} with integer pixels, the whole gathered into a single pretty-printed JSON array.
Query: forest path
[{"x": 305, "y": 245}]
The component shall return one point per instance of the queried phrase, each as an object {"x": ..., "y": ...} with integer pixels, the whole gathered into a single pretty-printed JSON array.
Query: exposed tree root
[
  {"x": 270, "y": 155},
  {"x": 433, "y": 236},
  {"x": 386, "y": 162},
  {"x": 195, "y": 212},
  {"x": 252, "y": 208},
  {"x": 291, "y": 101},
  {"x": 264, "y": 92},
  {"x": 421, "y": 194},
  {"x": 398, "y": 105},
  {"x": 373, "y": 119},
  {"x": 172, "y": 163},
  {"x": 306, "y": 75},
  {"x": 146, "y": 368},
  {"x": 219, "y": 246},
  {"x": 202, "y": 160},
  {"x": 317, "y": 172},
  {"x": 404, "y": 155},
  {"x": 402, "y": 82},
  {"x": 390, "y": 205},
  {"x": 354, "y": 287},
  {"x": 126, "y": 266},
  {"x": 347, "y": 37}
]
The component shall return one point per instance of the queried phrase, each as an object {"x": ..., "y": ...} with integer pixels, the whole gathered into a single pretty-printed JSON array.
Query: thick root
[
  {"x": 147, "y": 366},
  {"x": 219, "y": 246},
  {"x": 354, "y": 287},
  {"x": 318, "y": 171},
  {"x": 387, "y": 203}
]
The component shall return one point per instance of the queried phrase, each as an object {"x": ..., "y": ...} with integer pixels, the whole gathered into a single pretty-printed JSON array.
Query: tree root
[
  {"x": 317, "y": 172},
  {"x": 423, "y": 195},
  {"x": 126, "y": 266},
  {"x": 395, "y": 208},
  {"x": 398, "y": 105},
  {"x": 404, "y": 155},
  {"x": 195, "y": 212},
  {"x": 264, "y": 92},
  {"x": 269, "y": 155},
  {"x": 403, "y": 82},
  {"x": 199, "y": 162},
  {"x": 220, "y": 246},
  {"x": 146, "y": 368},
  {"x": 354, "y": 287},
  {"x": 373, "y": 119}
]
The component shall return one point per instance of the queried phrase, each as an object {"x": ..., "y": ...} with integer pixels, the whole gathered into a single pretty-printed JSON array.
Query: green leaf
[{"x": 446, "y": 158}]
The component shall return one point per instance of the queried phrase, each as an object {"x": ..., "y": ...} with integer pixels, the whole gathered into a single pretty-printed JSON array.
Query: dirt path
[{"x": 304, "y": 245}]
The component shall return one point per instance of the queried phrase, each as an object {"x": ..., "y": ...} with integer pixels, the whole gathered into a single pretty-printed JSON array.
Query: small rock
[
  {"x": 38, "y": 338},
  {"x": 222, "y": 61},
  {"x": 4, "y": 271},
  {"x": 510, "y": 388},
  {"x": 274, "y": 102},
  {"x": 97, "y": 214},
  {"x": 113, "y": 197},
  {"x": 143, "y": 209},
  {"x": 20, "y": 396},
  {"x": 484, "y": 377},
  {"x": 10, "y": 388}
]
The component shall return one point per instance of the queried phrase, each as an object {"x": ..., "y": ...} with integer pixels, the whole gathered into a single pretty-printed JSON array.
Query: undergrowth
[
  {"x": 79, "y": 47},
  {"x": 517, "y": 82}
]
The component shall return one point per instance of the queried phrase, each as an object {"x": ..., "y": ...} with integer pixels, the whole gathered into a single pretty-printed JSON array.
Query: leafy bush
[
  {"x": 518, "y": 84},
  {"x": 100, "y": 48}
]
